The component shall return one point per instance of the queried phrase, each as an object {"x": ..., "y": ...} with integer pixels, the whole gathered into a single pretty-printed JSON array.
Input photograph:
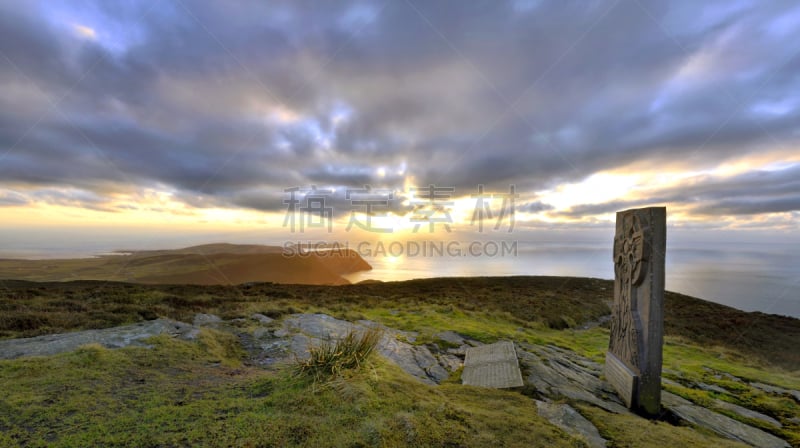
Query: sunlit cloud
[
  {"x": 167, "y": 121},
  {"x": 84, "y": 31}
]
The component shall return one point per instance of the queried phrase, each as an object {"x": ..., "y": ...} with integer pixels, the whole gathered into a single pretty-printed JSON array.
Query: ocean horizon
[
  {"x": 753, "y": 277},
  {"x": 762, "y": 276}
]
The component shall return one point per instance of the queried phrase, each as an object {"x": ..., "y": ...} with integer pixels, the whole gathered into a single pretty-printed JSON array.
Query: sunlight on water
[{"x": 759, "y": 278}]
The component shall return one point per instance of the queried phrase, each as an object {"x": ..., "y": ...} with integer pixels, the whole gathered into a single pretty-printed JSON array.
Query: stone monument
[{"x": 633, "y": 360}]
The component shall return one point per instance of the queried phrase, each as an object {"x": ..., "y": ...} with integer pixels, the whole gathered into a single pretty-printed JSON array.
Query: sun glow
[
  {"x": 84, "y": 31},
  {"x": 597, "y": 188}
]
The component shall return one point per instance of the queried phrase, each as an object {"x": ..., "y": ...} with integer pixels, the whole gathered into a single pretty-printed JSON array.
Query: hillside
[
  {"x": 210, "y": 264},
  {"x": 210, "y": 389}
]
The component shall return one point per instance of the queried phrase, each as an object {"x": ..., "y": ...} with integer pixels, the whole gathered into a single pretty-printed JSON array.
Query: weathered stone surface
[
  {"x": 555, "y": 373},
  {"x": 450, "y": 362},
  {"x": 460, "y": 351},
  {"x": 117, "y": 337},
  {"x": 571, "y": 421},
  {"x": 319, "y": 326},
  {"x": 730, "y": 377},
  {"x": 261, "y": 333},
  {"x": 202, "y": 319},
  {"x": 637, "y": 316},
  {"x": 721, "y": 424},
  {"x": 711, "y": 388},
  {"x": 261, "y": 318},
  {"x": 747, "y": 413},
  {"x": 559, "y": 373},
  {"x": 596, "y": 323},
  {"x": 777, "y": 390},
  {"x": 494, "y": 365},
  {"x": 303, "y": 330},
  {"x": 451, "y": 337},
  {"x": 623, "y": 379}
]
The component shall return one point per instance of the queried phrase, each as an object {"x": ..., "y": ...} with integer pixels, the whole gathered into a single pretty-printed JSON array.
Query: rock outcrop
[
  {"x": 117, "y": 337},
  {"x": 570, "y": 420},
  {"x": 551, "y": 374}
]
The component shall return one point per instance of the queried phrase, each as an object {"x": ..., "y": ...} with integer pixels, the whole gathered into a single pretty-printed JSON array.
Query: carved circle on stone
[{"x": 630, "y": 252}]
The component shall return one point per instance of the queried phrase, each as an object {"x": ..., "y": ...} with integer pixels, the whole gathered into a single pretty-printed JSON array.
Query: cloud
[
  {"x": 85, "y": 31},
  {"x": 12, "y": 198},
  {"x": 749, "y": 193},
  {"x": 227, "y": 105}
]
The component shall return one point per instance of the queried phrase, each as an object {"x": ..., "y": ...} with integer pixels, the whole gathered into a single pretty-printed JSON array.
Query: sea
[{"x": 761, "y": 276}]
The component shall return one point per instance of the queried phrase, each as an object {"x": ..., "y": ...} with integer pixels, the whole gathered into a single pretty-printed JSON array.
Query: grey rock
[
  {"x": 730, "y": 377},
  {"x": 777, "y": 390},
  {"x": 450, "y": 362},
  {"x": 261, "y": 333},
  {"x": 451, "y": 337},
  {"x": 769, "y": 388},
  {"x": 319, "y": 326},
  {"x": 261, "y": 318},
  {"x": 747, "y": 413},
  {"x": 406, "y": 336},
  {"x": 460, "y": 351},
  {"x": 571, "y": 421},
  {"x": 305, "y": 330},
  {"x": 418, "y": 361},
  {"x": 596, "y": 323},
  {"x": 117, "y": 337},
  {"x": 555, "y": 372},
  {"x": 670, "y": 382},
  {"x": 720, "y": 424},
  {"x": 202, "y": 319},
  {"x": 711, "y": 388}
]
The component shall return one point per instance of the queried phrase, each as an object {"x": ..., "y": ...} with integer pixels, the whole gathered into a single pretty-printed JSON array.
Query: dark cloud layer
[
  {"x": 228, "y": 103},
  {"x": 752, "y": 192}
]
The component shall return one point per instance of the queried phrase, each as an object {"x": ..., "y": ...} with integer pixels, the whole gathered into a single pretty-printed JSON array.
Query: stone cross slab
[{"x": 633, "y": 360}]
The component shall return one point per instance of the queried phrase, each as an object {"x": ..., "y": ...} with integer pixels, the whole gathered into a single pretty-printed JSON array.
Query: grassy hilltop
[
  {"x": 208, "y": 264},
  {"x": 186, "y": 393}
]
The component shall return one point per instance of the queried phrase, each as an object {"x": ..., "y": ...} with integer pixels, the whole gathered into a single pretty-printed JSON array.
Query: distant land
[{"x": 209, "y": 264}]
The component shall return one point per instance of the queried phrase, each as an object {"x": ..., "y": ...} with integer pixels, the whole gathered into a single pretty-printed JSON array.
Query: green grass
[
  {"x": 31, "y": 309},
  {"x": 201, "y": 393},
  {"x": 627, "y": 431},
  {"x": 179, "y": 394}
]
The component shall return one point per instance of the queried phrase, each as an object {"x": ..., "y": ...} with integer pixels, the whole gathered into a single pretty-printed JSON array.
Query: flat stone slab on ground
[
  {"x": 559, "y": 373},
  {"x": 494, "y": 365},
  {"x": 116, "y": 337},
  {"x": 747, "y": 413},
  {"x": 721, "y": 424},
  {"x": 567, "y": 418},
  {"x": 776, "y": 390}
]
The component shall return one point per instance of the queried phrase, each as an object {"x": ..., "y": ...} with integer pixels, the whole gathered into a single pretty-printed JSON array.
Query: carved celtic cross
[
  {"x": 633, "y": 361},
  {"x": 630, "y": 258}
]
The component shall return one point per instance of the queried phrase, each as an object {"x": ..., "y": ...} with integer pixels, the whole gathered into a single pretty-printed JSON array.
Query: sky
[{"x": 186, "y": 116}]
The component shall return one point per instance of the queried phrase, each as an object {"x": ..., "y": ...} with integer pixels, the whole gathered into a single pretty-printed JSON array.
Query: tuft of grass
[{"x": 331, "y": 359}]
